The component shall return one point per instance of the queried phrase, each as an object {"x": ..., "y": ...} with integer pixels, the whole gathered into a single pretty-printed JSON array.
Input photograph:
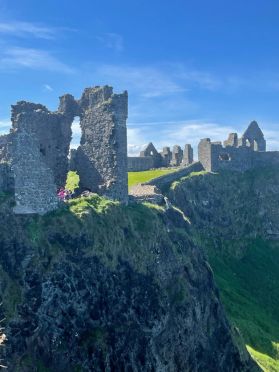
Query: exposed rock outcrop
[{"x": 99, "y": 286}]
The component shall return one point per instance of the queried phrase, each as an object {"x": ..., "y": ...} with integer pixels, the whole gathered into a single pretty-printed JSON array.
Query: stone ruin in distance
[
  {"x": 234, "y": 154},
  {"x": 34, "y": 156}
]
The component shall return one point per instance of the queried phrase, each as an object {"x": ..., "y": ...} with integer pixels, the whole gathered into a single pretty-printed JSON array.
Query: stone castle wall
[
  {"x": 101, "y": 158},
  {"x": 150, "y": 158},
  {"x": 139, "y": 164},
  {"x": 35, "y": 153},
  {"x": 237, "y": 154},
  {"x": 35, "y": 190}
]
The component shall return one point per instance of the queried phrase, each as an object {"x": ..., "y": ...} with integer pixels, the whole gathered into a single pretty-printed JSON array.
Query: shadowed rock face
[{"x": 124, "y": 290}]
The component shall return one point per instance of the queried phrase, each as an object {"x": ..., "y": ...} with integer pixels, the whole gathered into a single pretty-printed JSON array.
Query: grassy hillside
[
  {"x": 250, "y": 293},
  {"x": 97, "y": 285},
  {"x": 235, "y": 218},
  {"x": 249, "y": 283}
]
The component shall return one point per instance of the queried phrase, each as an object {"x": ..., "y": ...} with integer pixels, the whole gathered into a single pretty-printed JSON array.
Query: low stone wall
[
  {"x": 166, "y": 180},
  {"x": 138, "y": 164}
]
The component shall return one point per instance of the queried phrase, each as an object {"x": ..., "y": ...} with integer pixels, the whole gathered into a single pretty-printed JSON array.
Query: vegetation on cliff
[
  {"x": 235, "y": 218},
  {"x": 97, "y": 285}
]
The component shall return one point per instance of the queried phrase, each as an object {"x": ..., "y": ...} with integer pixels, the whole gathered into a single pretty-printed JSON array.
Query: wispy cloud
[
  {"x": 188, "y": 131},
  {"x": 136, "y": 141},
  {"x": 18, "y": 57},
  {"x": 167, "y": 79},
  {"x": 272, "y": 139},
  {"x": 112, "y": 40},
  {"x": 26, "y": 29},
  {"x": 47, "y": 88},
  {"x": 148, "y": 82}
]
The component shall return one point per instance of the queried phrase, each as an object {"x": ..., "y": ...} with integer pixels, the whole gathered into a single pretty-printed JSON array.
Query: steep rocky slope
[
  {"x": 97, "y": 286},
  {"x": 235, "y": 218}
]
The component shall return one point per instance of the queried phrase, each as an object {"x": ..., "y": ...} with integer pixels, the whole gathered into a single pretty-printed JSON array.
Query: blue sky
[{"x": 193, "y": 69}]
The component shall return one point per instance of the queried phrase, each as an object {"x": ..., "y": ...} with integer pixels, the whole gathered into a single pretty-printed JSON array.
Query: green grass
[
  {"x": 182, "y": 179},
  {"x": 72, "y": 181},
  {"x": 133, "y": 177},
  {"x": 145, "y": 176},
  {"x": 250, "y": 293}
]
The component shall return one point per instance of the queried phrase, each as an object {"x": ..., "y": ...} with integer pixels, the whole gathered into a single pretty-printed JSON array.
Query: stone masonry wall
[
  {"x": 138, "y": 164},
  {"x": 53, "y": 132},
  {"x": 35, "y": 153},
  {"x": 150, "y": 158},
  {"x": 101, "y": 159},
  {"x": 35, "y": 190}
]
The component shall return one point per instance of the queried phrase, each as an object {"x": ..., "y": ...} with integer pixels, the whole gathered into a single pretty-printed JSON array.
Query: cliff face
[
  {"x": 97, "y": 286},
  {"x": 231, "y": 205},
  {"x": 235, "y": 218}
]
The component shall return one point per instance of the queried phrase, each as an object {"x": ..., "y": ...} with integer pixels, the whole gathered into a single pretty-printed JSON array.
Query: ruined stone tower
[
  {"x": 101, "y": 158},
  {"x": 34, "y": 156}
]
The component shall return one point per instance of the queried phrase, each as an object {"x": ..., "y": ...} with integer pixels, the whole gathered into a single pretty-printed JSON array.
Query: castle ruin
[
  {"x": 34, "y": 158},
  {"x": 237, "y": 154},
  {"x": 150, "y": 158}
]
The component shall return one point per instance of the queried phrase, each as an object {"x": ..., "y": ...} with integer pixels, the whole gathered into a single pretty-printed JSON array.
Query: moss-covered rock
[
  {"x": 99, "y": 286},
  {"x": 235, "y": 218}
]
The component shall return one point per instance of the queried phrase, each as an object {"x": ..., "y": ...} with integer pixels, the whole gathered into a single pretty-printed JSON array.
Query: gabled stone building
[{"x": 238, "y": 154}]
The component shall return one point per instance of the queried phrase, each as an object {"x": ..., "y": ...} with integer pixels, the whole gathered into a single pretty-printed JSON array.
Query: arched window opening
[
  {"x": 72, "y": 182},
  {"x": 76, "y": 133},
  {"x": 247, "y": 143}
]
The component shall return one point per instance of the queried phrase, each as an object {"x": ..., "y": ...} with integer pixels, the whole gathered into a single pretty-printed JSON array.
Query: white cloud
[
  {"x": 272, "y": 139},
  {"x": 76, "y": 133},
  {"x": 174, "y": 133},
  {"x": 136, "y": 141},
  {"x": 148, "y": 82},
  {"x": 25, "y": 29},
  {"x": 193, "y": 131},
  {"x": 47, "y": 88},
  {"x": 16, "y": 57},
  {"x": 112, "y": 40},
  {"x": 189, "y": 131}
]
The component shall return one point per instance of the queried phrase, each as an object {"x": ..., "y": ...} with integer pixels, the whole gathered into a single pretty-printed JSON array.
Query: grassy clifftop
[
  {"x": 100, "y": 286},
  {"x": 235, "y": 217}
]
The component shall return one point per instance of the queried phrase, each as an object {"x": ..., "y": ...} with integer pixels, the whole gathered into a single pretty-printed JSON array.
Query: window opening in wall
[
  {"x": 72, "y": 182},
  {"x": 224, "y": 157},
  {"x": 76, "y": 133},
  {"x": 247, "y": 143}
]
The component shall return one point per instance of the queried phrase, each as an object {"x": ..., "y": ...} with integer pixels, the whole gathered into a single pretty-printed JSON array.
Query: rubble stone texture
[
  {"x": 101, "y": 158},
  {"x": 166, "y": 156},
  {"x": 34, "y": 157},
  {"x": 188, "y": 155}
]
